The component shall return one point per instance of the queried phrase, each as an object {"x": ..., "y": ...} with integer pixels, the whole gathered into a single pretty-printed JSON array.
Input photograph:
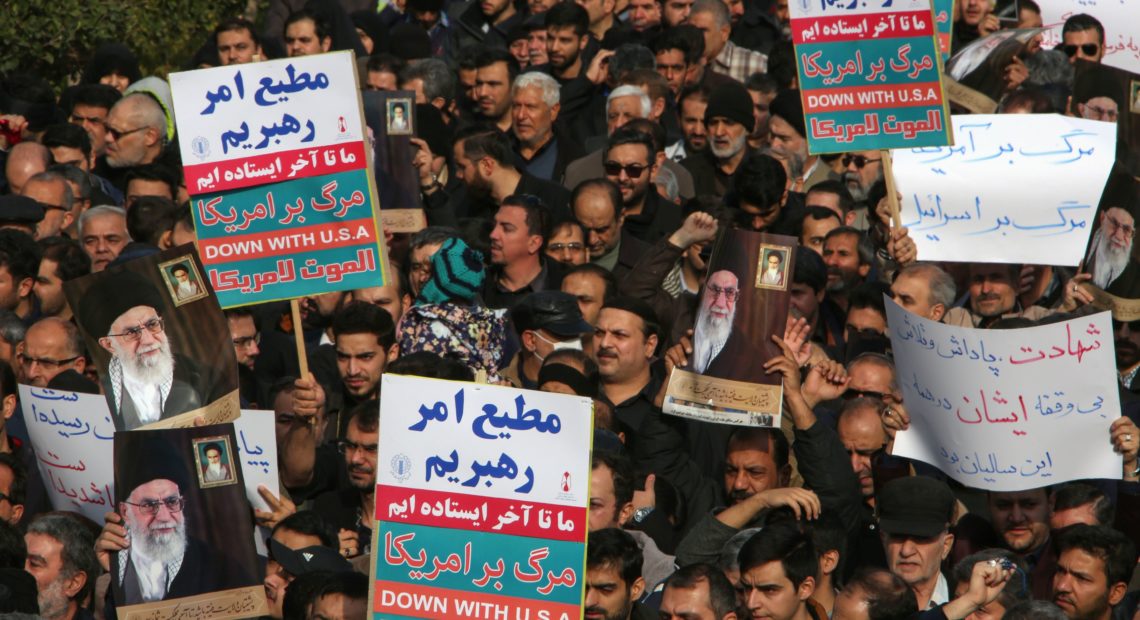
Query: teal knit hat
[{"x": 456, "y": 274}]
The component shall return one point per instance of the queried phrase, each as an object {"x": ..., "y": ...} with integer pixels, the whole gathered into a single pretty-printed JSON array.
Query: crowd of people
[{"x": 576, "y": 162}]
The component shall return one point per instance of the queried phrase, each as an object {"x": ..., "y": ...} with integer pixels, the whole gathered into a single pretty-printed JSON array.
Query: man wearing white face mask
[{"x": 545, "y": 321}]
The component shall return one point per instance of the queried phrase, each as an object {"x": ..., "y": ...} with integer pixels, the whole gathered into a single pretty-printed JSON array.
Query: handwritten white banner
[
  {"x": 1119, "y": 18},
  {"x": 72, "y": 434},
  {"x": 1017, "y": 188},
  {"x": 257, "y": 448},
  {"x": 1008, "y": 410}
]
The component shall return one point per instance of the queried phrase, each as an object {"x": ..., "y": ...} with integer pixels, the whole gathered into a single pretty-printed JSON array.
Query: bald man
[
  {"x": 25, "y": 160},
  {"x": 136, "y": 131}
]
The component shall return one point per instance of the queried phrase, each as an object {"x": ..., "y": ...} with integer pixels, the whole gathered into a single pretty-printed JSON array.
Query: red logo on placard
[{"x": 566, "y": 482}]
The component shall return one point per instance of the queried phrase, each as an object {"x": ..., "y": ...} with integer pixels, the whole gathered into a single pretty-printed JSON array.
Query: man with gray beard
[
  {"x": 729, "y": 118},
  {"x": 1111, "y": 246},
  {"x": 155, "y": 559},
  {"x": 718, "y": 349},
  {"x": 146, "y": 382}
]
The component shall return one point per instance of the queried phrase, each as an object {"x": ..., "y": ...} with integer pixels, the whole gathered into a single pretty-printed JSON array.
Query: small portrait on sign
[
  {"x": 772, "y": 271},
  {"x": 215, "y": 461},
  {"x": 1134, "y": 96},
  {"x": 183, "y": 280},
  {"x": 399, "y": 117}
]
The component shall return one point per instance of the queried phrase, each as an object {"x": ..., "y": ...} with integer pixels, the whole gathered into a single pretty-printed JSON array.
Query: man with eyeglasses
[
  {"x": 1110, "y": 250},
  {"x": 568, "y": 243},
  {"x": 349, "y": 509},
  {"x": 1082, "y": 38},
  {"x": 862, "y": 170},
  {"x": 246, "y": 340},
  {"x": 136, "y": 131},
  {"x": 147, "y": 381},
  {"x": 718, "y": 348},
  {"x": 51, "y": 346},
  {"x": 1097, "y": 95},
  {"x": 156, "y": 558}
]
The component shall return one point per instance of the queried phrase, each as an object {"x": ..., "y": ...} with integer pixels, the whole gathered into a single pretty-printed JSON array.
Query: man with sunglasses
[
  {"x": 1082, "y": 38},
  {"x": 147, "y": 380},
  {"x": 630, "y": 162},
  {"x": 136, "y": 131},
  {"x": 51, "y": 346}
]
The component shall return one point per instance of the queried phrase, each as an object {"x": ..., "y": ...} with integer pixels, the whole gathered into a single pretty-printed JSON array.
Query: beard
[
  {"x": 711, "y": 331},
  {"x": 855, "y": 186},
  {"x": 162, "y": 548},
  {"x": 53, "y": 601},
  {"x": 729, "y": 151},
  {"x": 149, "y": 369},
  {"x": 1108, "y": 260}
]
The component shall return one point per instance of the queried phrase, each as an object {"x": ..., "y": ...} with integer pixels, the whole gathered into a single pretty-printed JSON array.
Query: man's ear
[
  {"x": 947, "y": 546},
  {"x": 8, "y": 406},
  {"x": 105, "y": 342},
  {"x": 554, "y": 110},
  {"x": 828, "y": 561},
  {"x": 625, "y": 514},
  {"x": 528, "y": 340},
  {"x": 25, "y": 287},
  {"x": 72, "y": 585},
  {"x": 806, "y": 589},
  {"x": 1116, "y": 592},
  {"x": 650, "y": 345},
  {"x": 326, "y": 44},
  {"x": 393, "y": 352},
  {"x": 637, "y": 588}
]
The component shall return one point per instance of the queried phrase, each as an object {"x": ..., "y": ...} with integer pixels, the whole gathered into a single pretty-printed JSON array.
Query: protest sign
[
  {"x": 1018, "y": 188},
  {"x": 869, "y": 74},
  {"x": 744, "y": 303},
  {"x": 277, "y": 166},
  {"x": 72, "y": 434},
  {"x": 1002, "y": 409},
  {"x": 257, "y": 452},
  {"x": 185, "y": 479},
  {"x": 944, "y": 12},
  {"x": 981, "y": 65},
  {"x": 160, "y": 341},
  {"x": 1121, "y": 28},
  {"x": 391, "y": 115},
  {"x": 481, "y": 501}
]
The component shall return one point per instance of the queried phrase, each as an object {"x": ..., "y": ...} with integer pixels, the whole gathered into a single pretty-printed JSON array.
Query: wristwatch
[
  {"x": 641, "y": 514},
  {"x": 435, "y": 184}
]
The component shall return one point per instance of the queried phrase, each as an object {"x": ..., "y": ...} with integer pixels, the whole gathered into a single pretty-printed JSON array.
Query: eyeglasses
[
  {"x": 633, "y": 171},
  {"x": 4, "y": 497},
  {"x": 151, "y": 508},
  {"x": 730, "y": 294},
  {"x": 154, "y": 326},
  {"x": 245, "y": 341},
  {"x": 118, "y": 135},
  {"x": 860, "y": 160},
  {"x": 345, "y": 446},
  {"x": 45, "y": 362},
  {"x": 559, "y": 247},
  {"x": 1089, "y": 49},
  {"x": 1129, "y": 231},
  {"x": 1105, "y": 113}
]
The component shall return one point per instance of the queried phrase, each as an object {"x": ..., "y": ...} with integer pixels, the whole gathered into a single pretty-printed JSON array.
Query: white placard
[
  {"x": 73, "y": 436},
  {"x": 257, "y": 448},
  {"x": 1017, "y": 188},
  {"x": 1008, "y": 410}
]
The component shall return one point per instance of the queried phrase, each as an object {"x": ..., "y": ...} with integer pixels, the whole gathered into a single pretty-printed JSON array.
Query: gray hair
[
  {"x": 146, "y": 110},
  {"x": 729, "y": 558},
  {"x": 438, "y": 80},
  {"x": 75, "y": 174},
  {"x": 718, "y": 9},
  {"x": 55, "y": 177},
  {"x": 629, "y": 90},
  {"x": 942, "y": 288},
  {"x": 78, "y": 547},
  {"x": 101, "y": 211},
  {"x": 667, "y": 184},
  {"x": 880, "y": 360},
  {"x": 12, "y": 328},
  {"x": 551, "y": 91},
  {"x": 1050, "y": 67},
  {"x": 1035, "y": 610}
]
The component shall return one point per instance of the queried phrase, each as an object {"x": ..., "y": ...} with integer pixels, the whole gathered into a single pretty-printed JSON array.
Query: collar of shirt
[
  {"x": 724, "y": 58},
  {"x": 941, "y": 592},
  {"x": 537, "y": 284}
]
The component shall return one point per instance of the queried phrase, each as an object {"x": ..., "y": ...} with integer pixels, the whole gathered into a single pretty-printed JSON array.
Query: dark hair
[
  {"x": 1076, "y": 494},
  {"x": 74, "y": 174},
  {"x": 299, "y": 595},
  {"x": 606, "y": 186},
  {"x": 366, "y": 415},
  {"x": 763, "y": 83},
  {"x": 888, "y": 596},
  {"x": 607, "y": 277},
  {"x": 150, "y": 217},
  {"x": 310, "y": 523},
  {"x": 428, "y": 364},
  {"x": 722, "y": 596},
  {"x": 782, "y": 64},
  {"x": 1035, "y": 610},
  {"x": 650, "y": 324},
  {"x": 685, "y": 38},
  {"x": 95, "y": 96},
  {"x": 1032, "y": 97},
  {"x": 771, "y": 437},
  {"x": 831, "y": 186},
  {"x": 20, "y": 254},
  {"x": 17, "y": 493},
  {"x": 13, "y": 548},
  {"x": 783, "y": 543},
  {"x": 492, "y": 55},
  {"x": 1014, "y": 592},
  {"x": 651, "y": 129},
  {"x": 351, "y": 584},
  {"x": 68, "y": 135},
  {"x": 480, "y": 142},
  {"x": 77, "y": 553},
  {"x": 630, "y": 56},
  {"x": 568, "y": 14},
  {"x": 1115, "y": 549},
  {"x": 321, "y": 25},
  {"x": 828, "y": 533},
  {"x": 869, "y": 296},
  {"x": 361, "y": 317},
  {"x": 216, "y": 447},
  {"x": 760, "y": 181},
  {"x": 70, "y": 259},
  {"x": 816, "y": 214},
  {"x": 615, "y": 548},
  {"x": 153, "y": 172},
  {"x": 699, "y": 91},
  {"x": 386, "y": 63},
  {"x": 622, "y": 470},
  {"x": 629, "y": 135},
  {"x": 237, "y": 24},
  {"x": 810, "y": 269},
  {"x": 1081, "y": 22},
  {"x": 863, "y": 244},
  {"x": 537, "y": 214}
]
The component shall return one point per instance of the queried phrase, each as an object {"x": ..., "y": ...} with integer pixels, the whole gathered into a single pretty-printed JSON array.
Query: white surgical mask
[{"x": 575, "y": 344}]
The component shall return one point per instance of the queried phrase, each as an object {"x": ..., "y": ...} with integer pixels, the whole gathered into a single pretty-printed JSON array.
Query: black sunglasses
[
  {"x": 1090, "y": 49},
  {"x": 860, "y": 160},
  {"x": 634, "y": 171}
]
